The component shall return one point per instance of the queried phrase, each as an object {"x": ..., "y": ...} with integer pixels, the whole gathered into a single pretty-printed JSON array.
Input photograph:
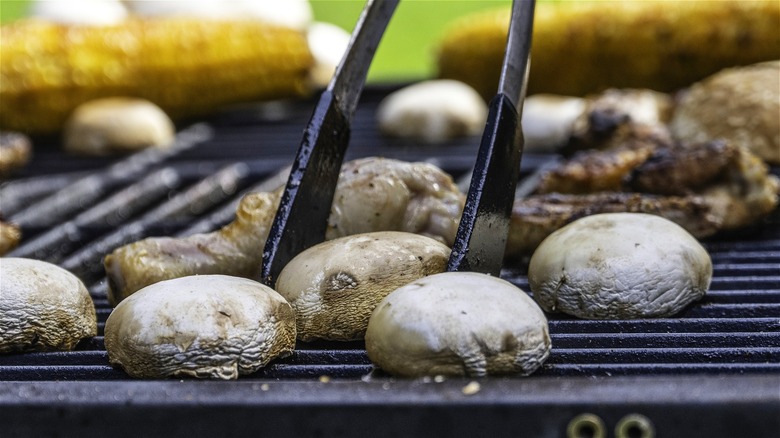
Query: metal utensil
[
  {"x": 484, "y": 225},
  {"x": 302, "y": 217}
]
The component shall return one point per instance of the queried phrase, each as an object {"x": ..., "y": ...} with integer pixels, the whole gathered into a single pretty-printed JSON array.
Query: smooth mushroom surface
[
  {"x": 334, "y": 286},
  {"x": 42, "y": 307},
  {"x": 458, "y": 324},
  {"x": 432, "y": 111},
  {"x": 205, "y": 326},
  {"x": 619, "y": 266},
  {"x": 117, "y": 125}
]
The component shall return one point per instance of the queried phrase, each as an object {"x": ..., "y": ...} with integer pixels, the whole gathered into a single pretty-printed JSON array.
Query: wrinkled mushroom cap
[
  {"x": 208, "y": 326},
  {"x": 42, "y": 307},
  {"x": 456, "y": 324},
  {"x": 619, "y": 266},
  {"x": 334, "y": 286}
]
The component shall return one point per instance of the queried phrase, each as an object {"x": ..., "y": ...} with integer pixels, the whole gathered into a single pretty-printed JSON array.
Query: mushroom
[
  {"x": 432, "y": 111},
  {"x": 740, "y": 104},
  {"x": 42, "y": 307},
  {"x": 619, "y": 266},
  {"x": 334, "y": 286},
  {"x": 117, "y": 125},
  {"x": 206, "y": 326},
  {"x": 458, "y": 324}
]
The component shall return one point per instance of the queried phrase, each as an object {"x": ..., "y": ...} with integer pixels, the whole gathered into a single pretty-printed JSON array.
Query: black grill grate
[{"x": 733, "y": 332}]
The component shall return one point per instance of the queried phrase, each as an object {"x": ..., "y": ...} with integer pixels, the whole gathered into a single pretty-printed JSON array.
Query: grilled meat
[
  {"x": 705, "y": 188},
  {"x": 536, "y": 217}
]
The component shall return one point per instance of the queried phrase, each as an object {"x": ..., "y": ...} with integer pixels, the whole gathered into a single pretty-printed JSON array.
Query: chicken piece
[
  {"x": 745, "y": 194},
  {"x": 378, "y": 194},
  {"x": 594, "y": 171},
  {"x": 705, "y": 188},
  {"x": 682, "y": 170},
  {"x": 10, "y": 235},
  {"x": 236, "y": 249},
  {"x": 537, "y": 216},
  {"x": 373, "y": 194},
  {"x": 622, "y": 117}
]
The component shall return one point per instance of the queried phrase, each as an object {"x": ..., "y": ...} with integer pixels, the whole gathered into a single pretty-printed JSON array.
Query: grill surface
[{"x": 713, "y": 370}]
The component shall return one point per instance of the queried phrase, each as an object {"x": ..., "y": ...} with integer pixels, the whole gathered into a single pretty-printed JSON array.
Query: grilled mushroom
[
  {"x": 42, "y": 307},
  {"x": 619, "y": 266},
  {"x": 432, "y": 111},
  {"x": 207, "y": 326},
  {"x": 458, "y": 323},
  {"x": 334, "y": 286},
  {"x": 117, "y": 125}
]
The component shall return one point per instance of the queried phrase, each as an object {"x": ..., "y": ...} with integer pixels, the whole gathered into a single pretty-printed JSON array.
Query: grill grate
[{"x": 733, "y": 332}]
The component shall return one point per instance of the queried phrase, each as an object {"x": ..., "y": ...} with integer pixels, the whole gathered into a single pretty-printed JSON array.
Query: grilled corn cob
[
  {"x": 581, "y": 47},
  {"x": 186, "y": 66}
]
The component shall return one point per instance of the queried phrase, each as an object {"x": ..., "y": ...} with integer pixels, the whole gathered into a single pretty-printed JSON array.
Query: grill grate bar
[
  {"x": 735, "y": 329},
  {"x": 58, "y": 206},
  {"x": 86, "y": 263}
]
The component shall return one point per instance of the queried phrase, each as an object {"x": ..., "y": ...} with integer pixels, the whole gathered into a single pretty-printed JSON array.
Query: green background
[{"x": 407, "y": 49}]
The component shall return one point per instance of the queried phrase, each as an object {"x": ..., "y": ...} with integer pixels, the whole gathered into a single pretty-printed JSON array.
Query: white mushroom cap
[
  {"x": 458, "y": 323},
  {"x": 117, "y": 125},
  {"x": 42, "y": 307},
  {"x": 334, "y": 286},
  {"x": 619, "y": 266},
  {"x": 432, "y": 111},
  {"x": 208, "y": 326}
]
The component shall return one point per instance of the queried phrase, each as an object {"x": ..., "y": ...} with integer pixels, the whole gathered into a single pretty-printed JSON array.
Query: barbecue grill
[{"x": 713, "y": 370}]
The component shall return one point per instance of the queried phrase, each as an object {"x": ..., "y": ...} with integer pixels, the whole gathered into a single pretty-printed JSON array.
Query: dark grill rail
[{"x": 725, "y": 348}]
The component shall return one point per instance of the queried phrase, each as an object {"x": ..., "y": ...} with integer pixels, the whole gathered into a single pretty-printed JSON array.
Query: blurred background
[{"x": 406, "y": 49}]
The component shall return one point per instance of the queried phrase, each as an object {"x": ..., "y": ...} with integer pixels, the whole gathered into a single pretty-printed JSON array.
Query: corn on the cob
[
  {"x": 187, "y": 66},
  {"x": 580, "y": 47}
]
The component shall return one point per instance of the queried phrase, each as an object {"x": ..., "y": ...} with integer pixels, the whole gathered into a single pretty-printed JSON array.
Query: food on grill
[
  {"x": 42, "y": 307},
  {"x": 584, "y": 47},
  {"x": 432, "y": 111},
  {"x": 205, "y": 326},
  {"x": 536, "y": 217},
  {"x": 619, "y": 266},
  {"x": 236, "y": 250},
  {"x": 380, "y": 194},
  {"x": 117, "y": 125},
  {"x": 10, "y": 235},
  {"x": 86, "y": 12},
  {"x": 187, "y": 66},
  {"x": 705, "y": 188},
  {"x": 334, "y": 286},
  {"x": 741, "y": 105},
  {"x": 635, "y": 118},
  {"x": 373, "y": 194},
  {"x": 15, "y": 152},
  {"x": 458, "y": 324}
]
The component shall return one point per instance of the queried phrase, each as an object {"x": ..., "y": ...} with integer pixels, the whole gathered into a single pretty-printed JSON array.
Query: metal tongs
[{"x": 301, "y": 220}]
